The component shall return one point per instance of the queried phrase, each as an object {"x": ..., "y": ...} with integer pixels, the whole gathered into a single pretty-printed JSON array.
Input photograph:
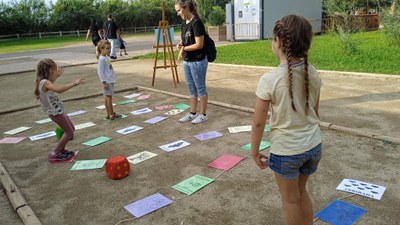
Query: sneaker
[
  {"x": 117, "y": 116},
  {"x": 113, "y": 57},
  {"x": 67, "y": 152},
  {"x": 59, "y": 156},
  {"x": 199, "y": 119},
  {"x": 126, "y": 53},
  {"x": 187, "y": 118},
  {"x": 110, "y": 118}
]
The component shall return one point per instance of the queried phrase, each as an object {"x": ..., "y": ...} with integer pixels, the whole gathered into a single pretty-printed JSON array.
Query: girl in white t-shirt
[
  {"x": 47, "y": 72},
  {"x": 292, "y": 91}
]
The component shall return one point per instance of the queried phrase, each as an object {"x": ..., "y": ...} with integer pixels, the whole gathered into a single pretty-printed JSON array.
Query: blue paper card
[
  {"x": 148, "y": 205},
  {"x": 340, "y": 213}
]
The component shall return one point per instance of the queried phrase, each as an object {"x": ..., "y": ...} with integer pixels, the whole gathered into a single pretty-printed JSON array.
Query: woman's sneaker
[
  {"x": 187, "y": 118},
  {"x": 59, "y": 156},
  {"x": 199, "y": 119}
]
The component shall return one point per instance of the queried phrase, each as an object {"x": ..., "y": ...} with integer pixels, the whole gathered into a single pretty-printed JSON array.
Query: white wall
[{"x": 247, "y": 19}]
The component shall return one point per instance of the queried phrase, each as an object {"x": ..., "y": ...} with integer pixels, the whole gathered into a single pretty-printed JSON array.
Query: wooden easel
[{"x": 168, "y": 47}]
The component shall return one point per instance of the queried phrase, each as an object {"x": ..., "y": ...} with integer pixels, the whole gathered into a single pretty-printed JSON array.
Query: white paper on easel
[
  {"x": 362, "y": 188},
  {"x": 17, "y": 130},
  {"x": 42, "y": 136}
]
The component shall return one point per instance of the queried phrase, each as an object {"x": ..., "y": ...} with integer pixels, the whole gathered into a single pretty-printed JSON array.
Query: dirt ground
[{"x": 242, "y": 195}]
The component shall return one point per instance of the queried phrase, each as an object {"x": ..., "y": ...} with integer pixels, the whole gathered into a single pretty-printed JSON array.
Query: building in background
[{"x": 254, "y": 19}]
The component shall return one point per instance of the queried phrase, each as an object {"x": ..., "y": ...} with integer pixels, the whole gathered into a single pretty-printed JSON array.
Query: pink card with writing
[
  {"x": 142, "y": 97},
  {"x": 162, "y": 107},
  {"x": 11, "y": 140},
  {"x": 225, "y": 162}
]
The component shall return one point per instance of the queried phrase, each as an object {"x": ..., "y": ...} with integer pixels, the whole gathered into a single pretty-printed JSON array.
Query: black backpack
[{"x": 209, "y": 46}]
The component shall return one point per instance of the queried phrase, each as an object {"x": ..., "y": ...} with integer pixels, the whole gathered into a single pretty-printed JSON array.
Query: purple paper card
[
  {"x": 147, "y": 205},
  {"x": 208, "y": 135},
  {"x": 226, "y": 162},
  {"x": 155, "y": 119},
  {"x": 11, "y": 140}
]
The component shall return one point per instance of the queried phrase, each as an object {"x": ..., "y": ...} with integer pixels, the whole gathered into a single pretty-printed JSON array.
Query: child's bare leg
[
  {"x": 108, "y": 109},
  {"x": 110, "y": 105}
]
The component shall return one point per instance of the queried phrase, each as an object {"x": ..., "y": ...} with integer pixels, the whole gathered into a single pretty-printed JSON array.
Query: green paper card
[
  {"x": 263, "y": 145},
  {"x": 97, "y": 141},
  {"x": 267, "y": 128},
  {"x": 193, "y": 184},
  {"x": 126, "y": 102},
  {"x": 181, "y": 106},
  {"x": 89, "y": 164}
]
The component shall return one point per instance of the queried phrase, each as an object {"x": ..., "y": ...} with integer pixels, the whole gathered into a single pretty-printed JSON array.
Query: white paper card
[
  {"x": 141, "y": 111},
  {"x": 362, "y": 188},
  {"x": 239, "y": 129},
  {"x": 174, "y": 112},
  {"x": 132, "y": 95},
  {"x": 103, "y": 106},
  {"x": 129, "y": 130},
  {"x": 43, "y": 121},
  {"x": 42, "y": 136},
  {"x": 17, "y": 130},
  {"x": 76, "y": 113},
  {"x": 174, "y": 145},
  {"x": 140, "y": 157},
  {"x": 84, "y": 125}
]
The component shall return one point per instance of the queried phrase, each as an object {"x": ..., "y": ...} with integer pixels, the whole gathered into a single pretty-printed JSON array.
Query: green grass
[
  {"x": 374, "y": 54},
  {"x": 36, "y": 43}
]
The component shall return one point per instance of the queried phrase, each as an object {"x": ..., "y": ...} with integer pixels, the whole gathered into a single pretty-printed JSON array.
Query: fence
[{"x": 75, "y": 33}]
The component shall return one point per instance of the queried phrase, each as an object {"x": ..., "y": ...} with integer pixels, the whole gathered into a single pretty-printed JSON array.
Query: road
[{"x": 82, "y": 53}]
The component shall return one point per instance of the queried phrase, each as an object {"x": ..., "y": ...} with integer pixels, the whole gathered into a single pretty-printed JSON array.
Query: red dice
[{"x": 117, "y": 167}]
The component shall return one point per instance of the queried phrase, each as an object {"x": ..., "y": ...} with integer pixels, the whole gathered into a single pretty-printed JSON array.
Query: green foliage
[
  {"x": 391, "y": 27},
  {"x": 374, "y": 54},
  {"x": 217, "y": 16},
  {"x": 204, "y": 8}
]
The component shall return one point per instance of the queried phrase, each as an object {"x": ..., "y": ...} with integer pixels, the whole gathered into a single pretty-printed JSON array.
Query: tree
[
  {"x": 204, "y": 7},
  {"x": 394, "y": 6}
]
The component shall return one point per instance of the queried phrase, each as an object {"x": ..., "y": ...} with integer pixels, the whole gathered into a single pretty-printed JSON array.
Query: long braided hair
[{"x": 295, "y": 32}]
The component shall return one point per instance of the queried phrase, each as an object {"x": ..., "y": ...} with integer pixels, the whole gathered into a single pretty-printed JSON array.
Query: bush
[
  {"x": 217, "y": 16},
  {"x": 391, "y": 27}
]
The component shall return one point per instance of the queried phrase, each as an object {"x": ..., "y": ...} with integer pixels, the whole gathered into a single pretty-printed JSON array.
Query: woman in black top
[
  {"x": 194, "y": 59},
  {"x": 94, "y": 29}
]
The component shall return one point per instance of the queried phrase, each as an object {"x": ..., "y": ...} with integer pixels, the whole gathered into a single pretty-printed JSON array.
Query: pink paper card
[
  {"x": 142, "y": 97},
  {"x": 225, "y": 162},
  {"x": 11, "y": 140},
  {"x": 66, "y": 161},
  {"x": 163, "y": 107}
]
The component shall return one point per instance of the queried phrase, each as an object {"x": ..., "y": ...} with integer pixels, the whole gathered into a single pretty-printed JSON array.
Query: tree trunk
[{"x": 394, "y": 6}]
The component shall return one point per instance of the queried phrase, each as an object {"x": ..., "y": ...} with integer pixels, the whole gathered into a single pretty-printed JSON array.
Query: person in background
[
  {"x": 110, "y": 31},
  {"x": 121, "y": 43},
  {"x": 95, "y": 31}
]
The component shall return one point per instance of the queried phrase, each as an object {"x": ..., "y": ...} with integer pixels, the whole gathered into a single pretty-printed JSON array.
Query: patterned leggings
[{"x": 65, "y": 123}]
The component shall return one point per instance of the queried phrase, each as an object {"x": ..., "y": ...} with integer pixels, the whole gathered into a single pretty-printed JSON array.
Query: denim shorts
[
  {"x": 195, "y": 76},
  {"x": 109, "y": 91},
  {"x": 291, "y": 166}
]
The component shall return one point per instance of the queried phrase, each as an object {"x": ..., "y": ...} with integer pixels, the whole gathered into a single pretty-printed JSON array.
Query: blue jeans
[
  {"x": 291, "y": 166},
  {"x": 195, "y": 76}
]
